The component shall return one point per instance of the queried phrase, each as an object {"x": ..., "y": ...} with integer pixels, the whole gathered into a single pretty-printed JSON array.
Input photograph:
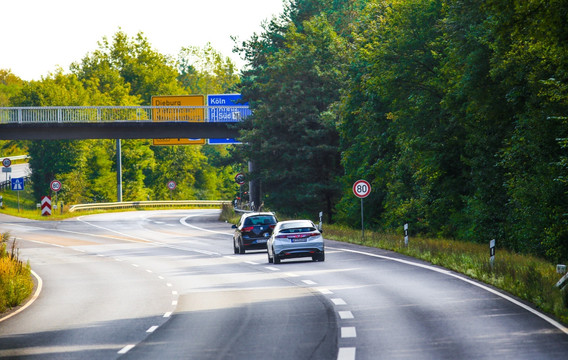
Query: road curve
[{"x": 166, "y": 284}]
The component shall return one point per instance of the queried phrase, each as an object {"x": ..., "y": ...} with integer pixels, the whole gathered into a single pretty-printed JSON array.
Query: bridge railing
[{"x": 83, "y": 114}]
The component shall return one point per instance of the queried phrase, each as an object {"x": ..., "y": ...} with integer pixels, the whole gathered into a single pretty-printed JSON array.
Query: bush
[{"x": 16, "y": 282}]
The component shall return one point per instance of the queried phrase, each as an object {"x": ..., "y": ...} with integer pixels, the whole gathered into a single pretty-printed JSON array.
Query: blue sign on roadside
[
  {"x": 226, "y": 108},
  {"x": 17, "y": 184}
]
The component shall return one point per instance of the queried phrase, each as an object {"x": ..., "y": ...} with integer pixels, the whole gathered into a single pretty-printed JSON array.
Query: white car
[{"x": 295, "y": 239}]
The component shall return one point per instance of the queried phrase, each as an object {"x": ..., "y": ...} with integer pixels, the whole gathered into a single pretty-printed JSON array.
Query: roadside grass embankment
[
  {"x": 525, "y": 277},
  {"x": 16, "y": 283}
]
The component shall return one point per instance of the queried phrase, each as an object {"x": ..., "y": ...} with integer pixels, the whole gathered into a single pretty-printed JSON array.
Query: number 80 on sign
[{"x": 361, "y": 188}]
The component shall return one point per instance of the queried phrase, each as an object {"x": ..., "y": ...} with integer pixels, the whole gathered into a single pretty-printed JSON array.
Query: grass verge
[{"x": 16, "y": 282}]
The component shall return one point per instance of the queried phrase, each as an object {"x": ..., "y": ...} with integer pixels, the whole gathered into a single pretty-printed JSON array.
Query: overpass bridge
[{"x": 120, "y": 122}]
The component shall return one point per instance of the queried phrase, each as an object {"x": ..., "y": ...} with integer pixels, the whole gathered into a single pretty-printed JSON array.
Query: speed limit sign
[
  {"x": 361, "y": 188},
  {"x": 55, "y": 185},
  {"x": 172, "y": 185},
  {"x": 6, "y": 162}
]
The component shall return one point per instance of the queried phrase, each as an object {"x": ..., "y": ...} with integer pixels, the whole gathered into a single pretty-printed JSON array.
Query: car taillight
[
  {"x": 282, "y": 236},
  {"x": 272, "y": 226},
  {"x": 247, "y": 229}
]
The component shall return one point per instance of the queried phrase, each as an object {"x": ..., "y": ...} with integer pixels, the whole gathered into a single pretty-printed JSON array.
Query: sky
[{"x": 38, "y": 36}]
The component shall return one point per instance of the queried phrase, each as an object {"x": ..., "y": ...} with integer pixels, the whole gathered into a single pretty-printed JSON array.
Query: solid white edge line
[
  {"x": 486, "y": 288},
  {"x": 31, "y": 301},
  {"x": 183, "y": 221}
]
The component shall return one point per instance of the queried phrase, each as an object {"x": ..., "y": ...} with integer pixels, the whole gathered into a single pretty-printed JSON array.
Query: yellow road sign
[{"x": 170, "y": 113}]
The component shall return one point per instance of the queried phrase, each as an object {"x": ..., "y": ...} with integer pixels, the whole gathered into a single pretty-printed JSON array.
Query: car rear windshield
[
  {"x": 260, "y": 220},
  {"x": 295, "y": 227}
]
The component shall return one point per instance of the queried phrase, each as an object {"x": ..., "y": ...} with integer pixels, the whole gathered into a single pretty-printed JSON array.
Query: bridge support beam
[{"x": 118, "y": 130}]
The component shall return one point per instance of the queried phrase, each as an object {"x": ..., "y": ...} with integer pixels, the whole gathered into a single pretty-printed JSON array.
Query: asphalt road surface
[{"x": 166, "y": 285}]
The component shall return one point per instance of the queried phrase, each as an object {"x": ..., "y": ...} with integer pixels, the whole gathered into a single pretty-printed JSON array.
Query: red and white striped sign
[{"x": 46, "y": 205}]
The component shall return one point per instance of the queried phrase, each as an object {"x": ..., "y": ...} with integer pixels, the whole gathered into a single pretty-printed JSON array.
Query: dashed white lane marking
[
  {"x": 251, "y": 263},
  {"x": 348, "y": 332},
  {"x": 325, "y": 291},
  {"x": 174, "y": 302},
  {"x": 152, "y": 329},
  {"x": 135, "y": 265},
  {"x": 149, "y": 271},
  {"x": 174, "y": 292},
  {"x": 183, "y": 221},
  {"x": 291, "y": 275},
  {"x": 339, "y": 301},
  {"x": 346, "y": 353},
  {"x": 169, "y": 285},
  {"x": 126, "y": 349},
  {"x": 168, "y": 314},
  {"x": 272, "y": 268},
  {"x": 345, "y": 315},
  {"x": 309, "y": 282}
]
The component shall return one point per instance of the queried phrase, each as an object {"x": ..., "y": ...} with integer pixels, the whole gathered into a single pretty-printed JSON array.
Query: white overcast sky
[{"x": 37, "y": 36}]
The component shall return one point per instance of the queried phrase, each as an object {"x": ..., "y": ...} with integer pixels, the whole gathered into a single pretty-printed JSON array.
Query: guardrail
[{"x": 138, "y": 204}]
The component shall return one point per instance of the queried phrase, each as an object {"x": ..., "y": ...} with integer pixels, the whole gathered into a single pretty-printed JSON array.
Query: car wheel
[
  {"x": 270, "y": 260},
  {"x": 241, "y": 248},
  {"x": 275, "y": 258},
  {"x": 235, "y": 248},
  {"x": 322, "y": 257}
]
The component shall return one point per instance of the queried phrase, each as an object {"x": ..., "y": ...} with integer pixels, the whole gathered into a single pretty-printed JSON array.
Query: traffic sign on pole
[
  {"x": 6, "y": 162},
  {"x": 55, "y": 185},
  {"x": 45, "y": 205},
  {"x": 172, "y": 185},
  {"x": 18, "y": 184},
  {"x": 361, "y": 188},
  {"x": 240, "y": 178}
]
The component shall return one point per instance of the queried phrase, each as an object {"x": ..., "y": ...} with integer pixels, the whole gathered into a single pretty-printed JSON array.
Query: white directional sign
[{"x": 17, "y": 184}]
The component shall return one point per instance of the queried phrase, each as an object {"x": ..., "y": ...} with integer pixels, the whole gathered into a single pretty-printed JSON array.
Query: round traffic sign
[
  {"x": 6, "y": 162},
  {"x": 240, "y": 178},
  {"x": 55, "y": 185},
  {"x": 361, "y": 188},
  {"x": 172, "y": 185}
]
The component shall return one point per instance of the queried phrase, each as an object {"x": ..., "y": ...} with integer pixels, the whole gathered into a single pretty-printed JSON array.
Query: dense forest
[{"x": 455, "y": 111}]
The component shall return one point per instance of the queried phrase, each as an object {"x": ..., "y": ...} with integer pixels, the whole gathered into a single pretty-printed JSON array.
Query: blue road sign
[
  {"x": 226, "y": 108},
  {"x": 17, "y": 184}
]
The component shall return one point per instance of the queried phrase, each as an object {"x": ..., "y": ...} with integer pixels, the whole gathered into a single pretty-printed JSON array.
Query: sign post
[
  {"x": 405, "y": 234},
  {"x": 492, "y": 253},
  {"x": 55, "y": 185},
  {"x": 6, "y": 162},
  {"x": 171, "y": 185},
  {"x": 362, "y": 189},
  {"x": 240, "y": 179}
]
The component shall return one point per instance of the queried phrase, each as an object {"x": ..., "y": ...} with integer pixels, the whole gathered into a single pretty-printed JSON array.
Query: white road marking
[
  {"x": 183, "y": 221},
  {"x": 168, "y": 314},
  {"x": 486, "y": 288},
  {"x": 126, "y": 349},
  {"x": 291, "y": 275},
  {"x": 152, "y": 329},
  {"x": 309, "y": 282},
  {"x": 272, "y": 268},
  {"x": 169, "y": 285},
  {"x": 338, "y": 301},
  {"x": 251, "y": 263},
  {"x": 135, "y": 265},
  {"x": 34, "y": 297},
  {"x": 345, "y": 315},
  {"x": 174, "y": 292},
  {"x": 325, "y": 291},
  {"x": 174, "y": 303},
  {"x": 347, "y": 353},
  {"x": 348, "y": 332}
]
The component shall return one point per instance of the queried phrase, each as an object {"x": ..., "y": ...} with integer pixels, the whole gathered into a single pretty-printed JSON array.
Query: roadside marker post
[
  {"x": 492, "y": 253},
  {"x": 406, "y": 235}
]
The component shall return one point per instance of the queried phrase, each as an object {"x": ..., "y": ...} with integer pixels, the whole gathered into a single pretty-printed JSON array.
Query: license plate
[
  {"x": 299, "y": 240},
  {"x": 261, "y": 241}
]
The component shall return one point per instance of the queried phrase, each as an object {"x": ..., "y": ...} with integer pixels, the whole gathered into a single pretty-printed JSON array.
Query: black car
[{"x": 252, "y": 231}]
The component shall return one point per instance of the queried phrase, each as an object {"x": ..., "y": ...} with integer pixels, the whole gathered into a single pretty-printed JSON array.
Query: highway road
[{"x": 166, "y": 284}]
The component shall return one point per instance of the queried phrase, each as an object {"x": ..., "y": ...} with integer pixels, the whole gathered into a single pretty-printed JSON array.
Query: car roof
[
  {"x": 258, "y": 214},
  {"x": 282, "y": 224}
]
